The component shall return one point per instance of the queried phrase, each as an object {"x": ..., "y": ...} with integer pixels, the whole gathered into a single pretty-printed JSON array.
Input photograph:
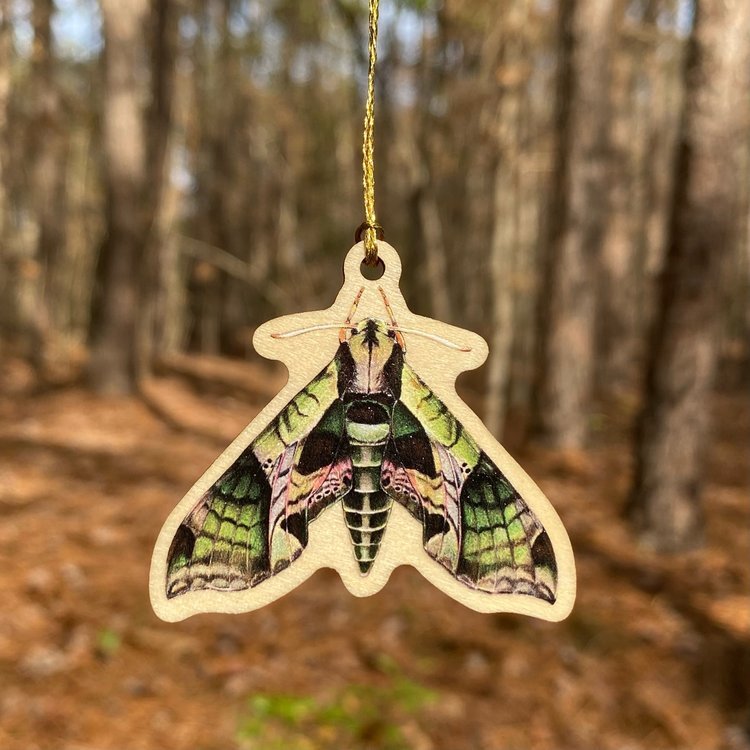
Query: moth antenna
[
  {"x": 310, "y": 329},
  {"x": 433, "y": 337},
  {"x": 347, "y": 323},
  {"x": 394, "y": 324},
  {"x": 342, "y": 329}
]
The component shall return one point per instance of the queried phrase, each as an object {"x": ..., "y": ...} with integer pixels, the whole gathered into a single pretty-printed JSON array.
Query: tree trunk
[
  {"x": 673, "y": 430},
  {"x": 424, "y": 164},
  {"x": 431, "y": 236},
  {"x": 163, "y": 196},
  {"x": 505, "y": 230},
  {"x": 658, "y": 170},
  {"x": 171, "y": 306},
  {"x": 113, "y": 363},
  {"x": 9, "y": 286},
  {"x": 477, "y": 184},
  {"x": 526, "y": 292},
  {"x": 289, "y": 238},
  {"x": 6, "y": 59},
  {"x": 577, "y": 215},
  {"x": 617, "y": 303},
  {"x": 435, "y": 255},
  {"x": 48, "y": 174}
]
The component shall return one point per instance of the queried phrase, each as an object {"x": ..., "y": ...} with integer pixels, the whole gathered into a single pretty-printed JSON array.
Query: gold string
[{"x": 370, "y": 226}]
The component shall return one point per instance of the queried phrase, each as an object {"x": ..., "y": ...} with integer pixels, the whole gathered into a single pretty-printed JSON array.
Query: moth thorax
[
  {"x": 371, "y": 349},
  {"x": 367, "y": 422}
]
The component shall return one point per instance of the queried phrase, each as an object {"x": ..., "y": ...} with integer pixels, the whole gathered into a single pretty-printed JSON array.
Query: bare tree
[
  {"x": 421, "y": 168},
  {"x": 673, "y": 429},
  {"x": 617, "y": 300},
  {"x": 5, "y": 74},
  {"x": 505, "y": 230},
  {"x": 575, "y": 223},
  {"x": 114, "y": 355},
  {"x": 48, "y": 173},
  {"x": 160, "y": 267},
  {"x": 9, "y": 296}
]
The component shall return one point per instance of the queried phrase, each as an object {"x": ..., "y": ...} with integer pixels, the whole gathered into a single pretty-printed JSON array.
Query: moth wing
[
  {"x": 475, "y": 523},
  {"x": 253, "y": 521}
]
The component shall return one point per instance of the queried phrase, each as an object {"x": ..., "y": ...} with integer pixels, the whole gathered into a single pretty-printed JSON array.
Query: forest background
[{"x": 569, "y": 178}]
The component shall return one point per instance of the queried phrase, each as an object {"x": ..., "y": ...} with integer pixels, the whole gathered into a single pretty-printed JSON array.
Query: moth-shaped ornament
[{"x": 366, "y": 460}]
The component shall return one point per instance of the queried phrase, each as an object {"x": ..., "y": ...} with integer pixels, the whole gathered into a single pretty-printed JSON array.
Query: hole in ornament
[{"x": 372, "y": 273}]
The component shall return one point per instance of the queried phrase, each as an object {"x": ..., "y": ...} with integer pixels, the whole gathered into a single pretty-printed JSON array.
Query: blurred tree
[
  {"x": 577, "y": 213},
  {"x": 673, "y": 432},
  {"x": 423, "y": 161},
  {"x": 47, "y": 147},
  {"x": 161, "y": 323},
  {"x": 216, "y": 92},
  {"x": 617, "y": 313},
  {"x": 9, "y": 293},
  {"x": 646, "y": 91},
  {"x": 6, "y": 57},
  {"x": 511, "y": 74},
  {"x": 114, "y": 352}
]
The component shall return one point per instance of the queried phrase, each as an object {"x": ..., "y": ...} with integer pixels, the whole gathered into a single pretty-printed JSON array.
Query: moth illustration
[{"x": 365, "y": 434}]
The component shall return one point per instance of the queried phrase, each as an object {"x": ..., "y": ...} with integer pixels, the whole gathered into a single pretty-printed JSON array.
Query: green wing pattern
[
  {"x": 475, "y": 522},
  {"x": 252, "y": 523}
]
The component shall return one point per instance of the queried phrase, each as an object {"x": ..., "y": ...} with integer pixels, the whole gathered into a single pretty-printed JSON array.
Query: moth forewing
[{"x": 380, "y": 431}]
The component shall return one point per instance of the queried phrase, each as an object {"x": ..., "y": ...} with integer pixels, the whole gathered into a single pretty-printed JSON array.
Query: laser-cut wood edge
[{"x": 329, "y": 544}]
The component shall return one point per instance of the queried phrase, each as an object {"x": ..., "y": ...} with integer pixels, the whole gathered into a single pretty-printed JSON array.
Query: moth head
[
  {"x": 374, "y": 349},
  {"x": 372, "y": 334}
]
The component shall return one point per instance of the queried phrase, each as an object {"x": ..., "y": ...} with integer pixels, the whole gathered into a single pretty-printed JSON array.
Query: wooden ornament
[{"x": 366, "y": 460}]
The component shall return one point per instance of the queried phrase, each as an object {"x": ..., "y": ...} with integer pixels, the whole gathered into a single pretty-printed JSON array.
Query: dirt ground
[{"x": 655, "y": 654}]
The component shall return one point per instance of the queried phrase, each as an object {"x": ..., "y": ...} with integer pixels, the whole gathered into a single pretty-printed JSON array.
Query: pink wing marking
[
  {"x": 403, "y": 483},
  {"x": 453, "y": 481},
  {"x": 325, "y": 487},
  {"x": 280, "y": 481}
]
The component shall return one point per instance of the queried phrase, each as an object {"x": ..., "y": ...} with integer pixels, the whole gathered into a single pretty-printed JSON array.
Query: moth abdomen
[
  {"x": 366, "y": 515},
  {"x": 367, "y": 507}
]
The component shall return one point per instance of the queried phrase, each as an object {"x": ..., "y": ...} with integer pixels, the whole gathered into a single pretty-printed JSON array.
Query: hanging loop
[
  {"x": 368, "y": 230},
  {"x": 364, "y": 227}
]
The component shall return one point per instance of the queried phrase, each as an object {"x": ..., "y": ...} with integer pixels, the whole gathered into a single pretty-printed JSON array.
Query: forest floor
[{"x": 655, "y": 655}]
